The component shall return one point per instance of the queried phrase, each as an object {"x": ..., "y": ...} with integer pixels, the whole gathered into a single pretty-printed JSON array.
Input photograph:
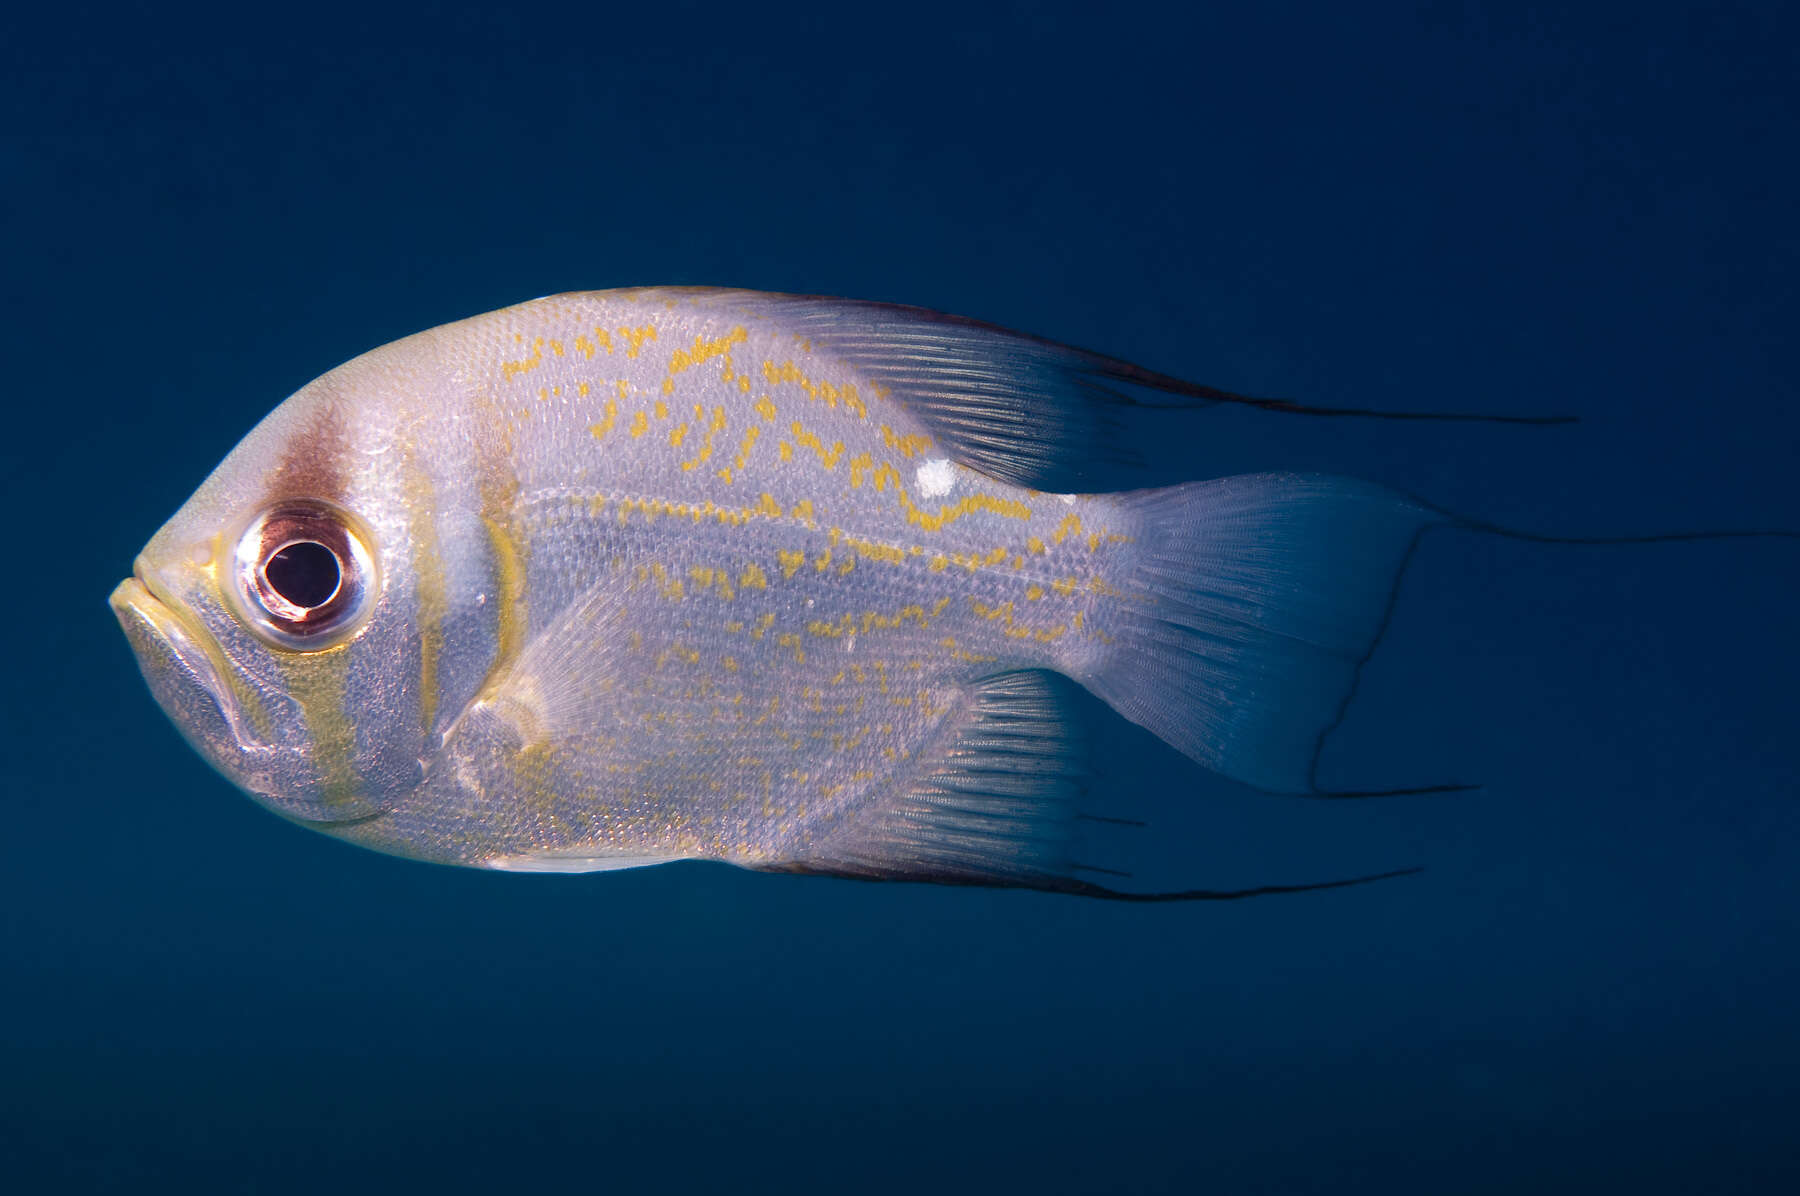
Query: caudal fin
[{"x": 1264, "y": 594}]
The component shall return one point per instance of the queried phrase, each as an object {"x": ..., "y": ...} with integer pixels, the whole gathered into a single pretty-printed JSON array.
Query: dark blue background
[{"x": 1441, "y": 206}]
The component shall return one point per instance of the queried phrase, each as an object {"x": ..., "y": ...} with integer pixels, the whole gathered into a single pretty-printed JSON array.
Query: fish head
[{"x": 275, "y": 616}]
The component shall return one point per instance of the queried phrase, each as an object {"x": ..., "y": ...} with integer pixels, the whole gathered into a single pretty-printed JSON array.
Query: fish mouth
[{"x": 181, "y": 661}]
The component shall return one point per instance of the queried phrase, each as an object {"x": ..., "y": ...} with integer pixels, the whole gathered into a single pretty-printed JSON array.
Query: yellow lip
[
  {"x": 141, "y": 612},
  {"x": 176, "y": 653}
]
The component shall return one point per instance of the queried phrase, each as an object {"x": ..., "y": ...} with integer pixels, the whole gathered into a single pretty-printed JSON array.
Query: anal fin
[
  {"x": 1004, "y": 798},
  {"x": 994, "y": 802}
]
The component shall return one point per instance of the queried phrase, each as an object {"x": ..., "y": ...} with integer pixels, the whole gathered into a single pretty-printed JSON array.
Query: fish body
[{"x": 617, "y": 578}]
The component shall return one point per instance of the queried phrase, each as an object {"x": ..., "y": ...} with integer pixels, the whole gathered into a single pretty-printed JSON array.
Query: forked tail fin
[{"x": 1265, "y": 595}]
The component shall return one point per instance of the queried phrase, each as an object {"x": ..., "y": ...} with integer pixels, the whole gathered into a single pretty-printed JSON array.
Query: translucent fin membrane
[
  {"x": 1000, "y": 803},
  {"x": 1025, "y": 410},
  {"x": 1266, "y": 595}
]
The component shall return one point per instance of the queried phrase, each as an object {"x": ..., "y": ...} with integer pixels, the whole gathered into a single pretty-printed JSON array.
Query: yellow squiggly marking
[
  {"x": 635, "y": 338},
  {"x": 671, "y": 587},
  {"x": 957, "y": 653},
  {"x": 1044, "y": 635},
  {"x": 876, "y": 621},
  {"x": 828, "y": 457},
  {"x": 829, "y": 393},
  {"x": 1003, "y": 613},
  {"x": 863, "y": 467},
  {"x": 677, "y": 651},
  {"x": 1009, "y": 508},
  {"x": 706, "y": 438},
  {"x": 968, "y": 560},
  {"x": 743, "y": 456},
  {"x": 1070, "y": 526},
  {"x": 705, "y": 350},
  {"x": 512, "y": 369},
  {"x": 650, "y": 508},
  {"x": 906, "y": 446},
  {"x": 602, "y": 340},
  {"x": 871, "y": 549},
  {"x": 606, "y": 425},
  {"x": 712, "y": 579}
]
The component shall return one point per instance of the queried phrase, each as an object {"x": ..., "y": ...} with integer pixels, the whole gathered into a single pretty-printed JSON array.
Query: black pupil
[{"x": 305, "y": 573}]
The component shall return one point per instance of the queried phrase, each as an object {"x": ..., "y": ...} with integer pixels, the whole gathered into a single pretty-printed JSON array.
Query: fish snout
[{"x": 180, "y": 662}]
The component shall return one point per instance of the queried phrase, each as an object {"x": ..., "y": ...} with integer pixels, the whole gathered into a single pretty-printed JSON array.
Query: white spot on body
[
  {"x": 1067, "y": 498},
  {"x": 936, "y": 478}
]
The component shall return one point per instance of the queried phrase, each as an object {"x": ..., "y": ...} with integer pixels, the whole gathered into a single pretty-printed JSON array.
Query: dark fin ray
[
  {"x": 1086, "y": 889},
  {"x": 1455, "y": 521},
  {"x": 1023, "y": 409},
  {"x": 1510, "y": 533},
  {"x": 1118, "y": 872},
  {"x": 1409, "y": 791},
  {"x": 1072, "y": 887},
  {"x": 1436, "y": 417}
]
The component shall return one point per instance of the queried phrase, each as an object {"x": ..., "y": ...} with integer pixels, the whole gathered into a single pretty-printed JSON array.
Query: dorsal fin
[{"x": 1023, "y": 409}]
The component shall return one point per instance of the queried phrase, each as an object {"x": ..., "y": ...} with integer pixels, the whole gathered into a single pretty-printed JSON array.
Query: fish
[{"x": 805, "y": 585}]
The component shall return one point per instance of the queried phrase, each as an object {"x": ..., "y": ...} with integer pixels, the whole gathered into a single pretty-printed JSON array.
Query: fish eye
[{"x": 304, "y": 575}]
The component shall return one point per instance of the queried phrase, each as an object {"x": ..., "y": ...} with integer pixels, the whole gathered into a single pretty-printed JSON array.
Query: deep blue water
[{"x": 1444, "y": 206}]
